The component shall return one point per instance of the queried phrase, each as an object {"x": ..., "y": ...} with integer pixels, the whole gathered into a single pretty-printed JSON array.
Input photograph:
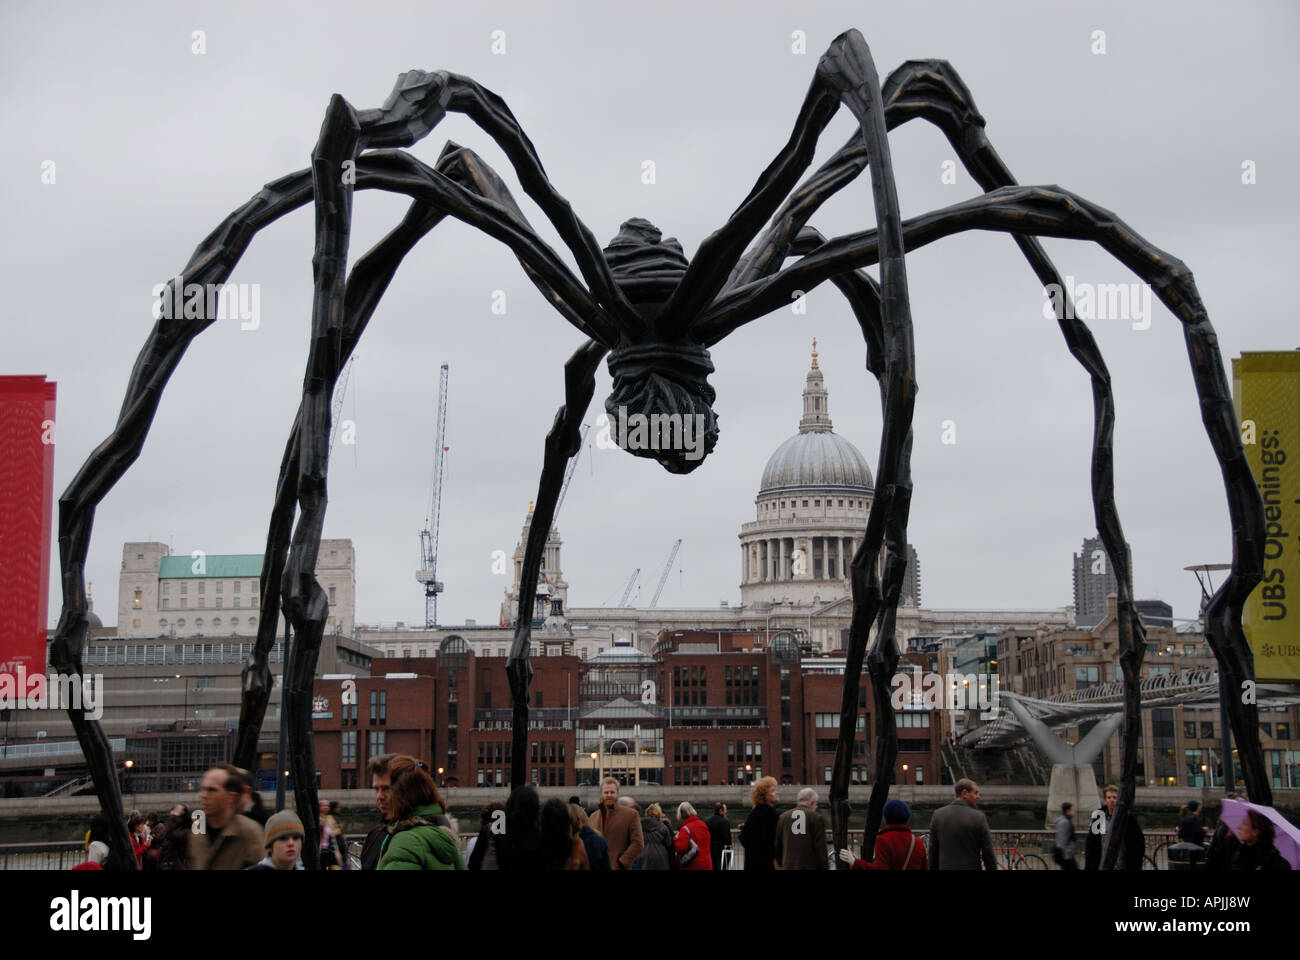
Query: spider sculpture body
[{"x": 656, "y": 314}]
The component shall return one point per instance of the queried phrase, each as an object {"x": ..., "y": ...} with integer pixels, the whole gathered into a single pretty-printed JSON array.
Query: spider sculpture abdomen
[{"x": 661, "y": 406}]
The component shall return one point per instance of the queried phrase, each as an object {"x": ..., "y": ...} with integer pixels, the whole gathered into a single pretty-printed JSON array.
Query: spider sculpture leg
[
  {"x": 932, "y": 89},
  {"x": 849, "y": 69},
  {"x": 367, "y": 283},
  {"x": 420, "y": 100},
  {"x": 212, "y": 263},
  {"x": 562, "y": 442},
  {"x": 305, "y": 604},
  {"x": 1051, "y": 211},
  {"x": 303, "y": 655}
]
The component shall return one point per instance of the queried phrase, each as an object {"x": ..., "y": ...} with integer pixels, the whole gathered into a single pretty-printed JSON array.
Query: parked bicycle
[{"x": 1010, "y": 858}]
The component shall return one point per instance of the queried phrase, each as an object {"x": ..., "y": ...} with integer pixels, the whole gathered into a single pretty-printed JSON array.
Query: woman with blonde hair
[
  {"x": 595, "y": 845},
  {"x": 758, "y": 835},
  {"x": 658, "y": 852}
]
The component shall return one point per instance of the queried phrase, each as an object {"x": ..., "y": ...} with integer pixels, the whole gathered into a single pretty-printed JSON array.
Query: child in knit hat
[
  {"x": 897, "y": 848},
  {"x": 284, "y": 835}
]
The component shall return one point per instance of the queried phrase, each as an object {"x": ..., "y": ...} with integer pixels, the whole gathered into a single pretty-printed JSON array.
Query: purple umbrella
[{"x": 1286, "y": 836}]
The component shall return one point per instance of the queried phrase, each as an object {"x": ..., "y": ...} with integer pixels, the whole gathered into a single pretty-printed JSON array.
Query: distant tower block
[{"x": 1094, "y": 581}]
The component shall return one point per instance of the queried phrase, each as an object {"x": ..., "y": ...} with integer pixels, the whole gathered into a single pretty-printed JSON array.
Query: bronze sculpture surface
[{"x": 654, "y": 314}]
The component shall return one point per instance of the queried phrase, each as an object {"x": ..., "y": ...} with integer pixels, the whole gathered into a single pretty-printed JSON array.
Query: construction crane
[
  {"x": 627, "y": 591},
  {"x": 568, "y": 474},
  {"x": 428, "y": 572},
  {"x": 672, "y": 555},
  {"x": 339, "y": 392}
]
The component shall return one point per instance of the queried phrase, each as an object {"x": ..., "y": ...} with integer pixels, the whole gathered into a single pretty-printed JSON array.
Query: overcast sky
[{"x": 154, "y": 145}]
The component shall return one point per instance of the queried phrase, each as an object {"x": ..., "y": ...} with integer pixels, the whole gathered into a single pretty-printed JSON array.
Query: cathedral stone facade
[{"x": 811, "y": 511}]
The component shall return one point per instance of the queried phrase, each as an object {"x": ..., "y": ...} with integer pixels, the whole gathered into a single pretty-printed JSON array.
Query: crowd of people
[{"x": 232, "y": 830}]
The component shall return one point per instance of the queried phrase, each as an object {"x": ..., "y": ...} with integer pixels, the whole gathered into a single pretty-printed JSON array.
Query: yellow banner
[{"x": 1266, "y": 392}]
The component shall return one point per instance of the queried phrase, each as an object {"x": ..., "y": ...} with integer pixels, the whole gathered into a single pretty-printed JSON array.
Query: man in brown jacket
[
  {"x": 959, "y": 834},
  {"x": 225, "y": 839},
  {"x": 620, "y": 826},
  {"x": 801, "y": 836}
]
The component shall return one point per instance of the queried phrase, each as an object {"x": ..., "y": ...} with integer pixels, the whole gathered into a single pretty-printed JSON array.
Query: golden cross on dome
[{"x": 814, "y": 354}]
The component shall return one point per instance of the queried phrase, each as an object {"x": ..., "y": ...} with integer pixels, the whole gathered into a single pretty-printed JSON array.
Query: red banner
[{"x": 26, "y": 511}]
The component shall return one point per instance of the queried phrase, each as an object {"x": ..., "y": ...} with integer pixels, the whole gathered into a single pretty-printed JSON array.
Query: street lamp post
[
  {"x": 595, "y": 763},
  {"x": 768, "y": 629}
]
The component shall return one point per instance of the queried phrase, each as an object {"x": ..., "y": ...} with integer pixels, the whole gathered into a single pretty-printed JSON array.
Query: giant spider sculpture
[{"x": 656, "y": 314}]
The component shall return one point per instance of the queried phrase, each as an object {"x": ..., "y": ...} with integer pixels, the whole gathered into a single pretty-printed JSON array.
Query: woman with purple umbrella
[{"x": 1256, "y": 850}]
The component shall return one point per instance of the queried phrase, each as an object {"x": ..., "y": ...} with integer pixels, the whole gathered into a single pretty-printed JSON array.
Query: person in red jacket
[
  {"x": 897, "y": 848},
  {"x": 139, "y": 837},
  {"x": 693, "y": 828}
]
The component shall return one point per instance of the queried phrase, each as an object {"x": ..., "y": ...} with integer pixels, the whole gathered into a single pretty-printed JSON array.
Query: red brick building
[{"x": 706, "y": 708}]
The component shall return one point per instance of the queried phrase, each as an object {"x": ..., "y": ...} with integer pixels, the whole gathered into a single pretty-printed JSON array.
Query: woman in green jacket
[{"x": 415, "y": 841}]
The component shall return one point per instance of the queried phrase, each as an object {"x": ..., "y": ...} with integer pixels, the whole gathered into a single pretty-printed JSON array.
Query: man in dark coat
[
  {"x": 801, "y": 836},
  {"x": 959, "y": 834},
  {"x": 1098, "y": 827},
  {"x": 1223, "y": 845},
  {"x": 383, "y": 787},
  {"x": 719, "y": 833},
  {"x": 1134, "y": 849}
]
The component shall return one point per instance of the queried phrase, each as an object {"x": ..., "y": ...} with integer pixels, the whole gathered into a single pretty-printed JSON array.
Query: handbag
[
  {"x": 910, "y": 850},
  {"x": 692, "y": 852}
]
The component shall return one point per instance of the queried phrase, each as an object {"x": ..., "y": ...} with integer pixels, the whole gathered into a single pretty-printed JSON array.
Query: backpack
[{"x": 692, "y": 852}]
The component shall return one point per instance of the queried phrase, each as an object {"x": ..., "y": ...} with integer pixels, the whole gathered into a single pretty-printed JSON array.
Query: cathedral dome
[
  {"x": 816, "y": 459},
  {"x": 815, "y": 456}
]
